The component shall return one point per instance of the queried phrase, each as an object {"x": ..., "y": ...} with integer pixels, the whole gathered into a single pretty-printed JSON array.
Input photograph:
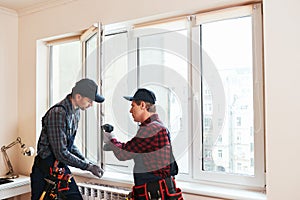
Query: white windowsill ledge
[
  {"x": 20, "y": 185},
  {"x": 186, "y": 187},
  {"x": 220, "y": 192}
]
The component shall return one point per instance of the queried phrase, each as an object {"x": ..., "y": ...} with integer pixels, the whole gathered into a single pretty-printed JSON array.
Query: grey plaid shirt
[{"x": 54, "y": 139}]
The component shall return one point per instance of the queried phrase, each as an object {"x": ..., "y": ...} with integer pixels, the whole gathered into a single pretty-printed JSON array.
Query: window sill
[
  {"x": 220, "y": 192},
  {"x": 186, "y": 187},
  {"x": 19, "y": 186}
]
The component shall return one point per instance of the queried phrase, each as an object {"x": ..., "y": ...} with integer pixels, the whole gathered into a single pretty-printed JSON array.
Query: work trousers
[{"x": 38, "y": 184}]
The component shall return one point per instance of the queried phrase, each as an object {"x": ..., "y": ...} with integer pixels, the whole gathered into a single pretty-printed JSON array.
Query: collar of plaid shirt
[{"x": 153, "y": 117}]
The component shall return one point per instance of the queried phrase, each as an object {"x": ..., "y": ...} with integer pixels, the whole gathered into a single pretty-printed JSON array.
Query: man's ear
[
  {"x": 143, "y": 105},
  {"x": 78, "y": 97}
]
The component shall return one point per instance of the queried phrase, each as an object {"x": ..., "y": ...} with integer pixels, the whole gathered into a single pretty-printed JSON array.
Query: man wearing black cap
[
  {"x": 151, "y": 150},
  {"x": 56, "y": 149}
]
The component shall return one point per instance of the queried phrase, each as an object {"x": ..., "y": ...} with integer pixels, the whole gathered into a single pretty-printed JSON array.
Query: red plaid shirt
[{"x": 152, "y": 144}]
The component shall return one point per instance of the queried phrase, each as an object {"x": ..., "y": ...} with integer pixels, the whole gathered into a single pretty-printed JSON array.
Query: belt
[
  {"x": 155, "y": 190},
  {"x": 44, "y": 164}
]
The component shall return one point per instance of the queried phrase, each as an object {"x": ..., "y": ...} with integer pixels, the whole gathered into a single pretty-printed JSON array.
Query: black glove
[{"x": 95, "y": 169}]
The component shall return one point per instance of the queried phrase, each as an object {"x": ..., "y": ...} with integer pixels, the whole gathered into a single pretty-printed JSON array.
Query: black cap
[
  {"x": 142, "y": 94},
  {"x": 88, "y": 88}
]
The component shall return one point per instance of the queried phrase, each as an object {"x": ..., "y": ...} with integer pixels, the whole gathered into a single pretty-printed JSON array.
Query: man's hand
[
  {"x": 107, "y": 137},
  {"x": 107, "y": 147},
  {"x": 96, "y": 170}
]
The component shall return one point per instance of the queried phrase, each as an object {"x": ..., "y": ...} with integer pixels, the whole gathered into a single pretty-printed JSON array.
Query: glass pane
[
  {"x": 119, "y": 79},
  {"x": 227, "y": 96},
  {"x": 65, "y": 68},
  {"x": 164, "y": 69},
  {"x": 92, "y": 136}
]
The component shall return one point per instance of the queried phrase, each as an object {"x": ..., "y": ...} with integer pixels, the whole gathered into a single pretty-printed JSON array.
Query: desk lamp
[{"x": 27, "y": 151}]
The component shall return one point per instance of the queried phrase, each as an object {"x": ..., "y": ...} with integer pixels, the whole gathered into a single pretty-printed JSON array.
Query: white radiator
[{"x": 91, "y": 191}]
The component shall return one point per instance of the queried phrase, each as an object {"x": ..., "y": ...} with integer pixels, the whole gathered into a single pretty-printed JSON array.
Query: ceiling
[{"x": 18, "y": 5}]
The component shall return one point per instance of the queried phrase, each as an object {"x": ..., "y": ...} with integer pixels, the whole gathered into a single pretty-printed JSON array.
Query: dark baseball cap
[
  {"x": 88, "y": 88},
  {"x": 142, "y": 94}
]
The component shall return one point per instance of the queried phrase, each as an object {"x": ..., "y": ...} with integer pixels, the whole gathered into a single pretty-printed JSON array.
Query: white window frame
[
  {"x": 258, "y": 180},
  {"x": 83, "y": 130},
  {"x": 196, "y": 174}
]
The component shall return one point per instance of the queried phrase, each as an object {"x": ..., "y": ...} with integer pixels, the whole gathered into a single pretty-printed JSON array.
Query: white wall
[
  {"x": 282, "y": 69},
  {"x": 8, "y": 82},
  {"x": 282, "y": 58}
]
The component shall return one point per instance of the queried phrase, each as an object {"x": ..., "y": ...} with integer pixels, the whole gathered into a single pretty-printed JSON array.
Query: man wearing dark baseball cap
[
  {"x": 142, "y": 94},
  {"x": 56, "y": 142},
  {"x": 88, "y": 88},
  {"x": 151, "y": 150}
]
